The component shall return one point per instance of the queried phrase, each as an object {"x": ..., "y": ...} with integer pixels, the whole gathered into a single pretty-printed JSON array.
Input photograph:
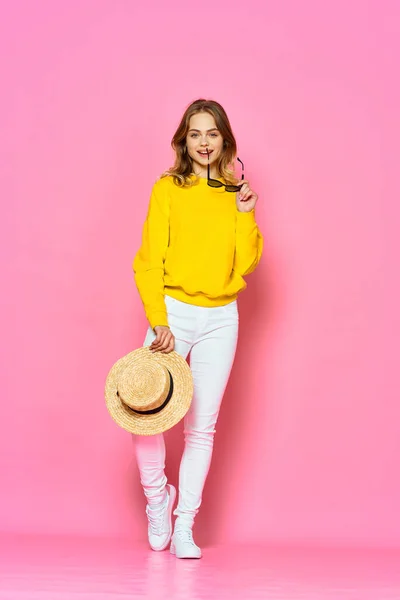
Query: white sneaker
[
  {"x": 183, "y": 546},
  {"x": 160, "y": 521}
]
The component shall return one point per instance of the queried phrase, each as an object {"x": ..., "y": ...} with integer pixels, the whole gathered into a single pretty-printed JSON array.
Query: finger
[
  {"x": 166, "y": 343},
  {"x": 244, "y": 198},
  {"x": 248, "y": 195},
  {"x": 157, "y": 344},
  {"x": 158, "y": 338},
  {"x": 243, "y": 191},
  {"x": 157, "y": 341},
  {"x": 170, "y": 347}
]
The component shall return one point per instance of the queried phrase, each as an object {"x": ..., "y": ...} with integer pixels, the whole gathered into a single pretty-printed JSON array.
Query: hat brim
[{"x": 173, "y": 412}]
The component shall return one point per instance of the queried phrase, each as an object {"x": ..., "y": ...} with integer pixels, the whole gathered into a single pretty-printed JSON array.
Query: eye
[
  {"x": 214, "y": 134},
  {"x": 192, "y": 135}
]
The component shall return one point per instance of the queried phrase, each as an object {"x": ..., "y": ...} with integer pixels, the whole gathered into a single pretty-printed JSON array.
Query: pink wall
[{"x": 308, "y": 440}]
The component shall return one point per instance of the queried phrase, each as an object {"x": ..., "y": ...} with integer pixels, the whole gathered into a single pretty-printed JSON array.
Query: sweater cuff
[
  {"x": 245, "y": 221},
  {"x": 158, "y": 318}
]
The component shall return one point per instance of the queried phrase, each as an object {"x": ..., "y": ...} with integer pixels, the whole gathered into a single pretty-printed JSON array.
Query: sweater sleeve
[
  {"x": 249, "y": 243},
  {"x": 148, "y": 264}
]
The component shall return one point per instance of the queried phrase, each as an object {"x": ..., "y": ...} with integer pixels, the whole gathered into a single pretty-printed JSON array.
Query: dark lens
[
  {"x": 232, "y": 188},
  {"x": 214, "y": 183}
]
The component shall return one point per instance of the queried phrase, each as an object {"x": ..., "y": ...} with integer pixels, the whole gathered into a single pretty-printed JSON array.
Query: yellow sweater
[{"x": 196, "y": 247}]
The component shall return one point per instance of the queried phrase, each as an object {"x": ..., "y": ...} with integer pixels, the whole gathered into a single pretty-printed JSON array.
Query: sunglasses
[{"x": 216, "y": 184}]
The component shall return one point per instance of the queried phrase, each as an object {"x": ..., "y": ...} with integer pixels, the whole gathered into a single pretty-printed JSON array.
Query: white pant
[{"x": 210, "y": 334}]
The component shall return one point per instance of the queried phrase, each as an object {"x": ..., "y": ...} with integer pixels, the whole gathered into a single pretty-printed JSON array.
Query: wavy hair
[{"x": 183, "y": 167}]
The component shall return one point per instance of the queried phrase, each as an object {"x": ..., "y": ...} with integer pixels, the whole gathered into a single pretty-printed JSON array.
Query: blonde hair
[{"x": 183, "y": 167}]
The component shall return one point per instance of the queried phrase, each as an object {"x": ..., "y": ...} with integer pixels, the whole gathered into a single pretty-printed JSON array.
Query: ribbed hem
[
  {"x": 245, "y": 221},
  {"x": 158, "y": 318},
  {"x": 199, "y": 299}
]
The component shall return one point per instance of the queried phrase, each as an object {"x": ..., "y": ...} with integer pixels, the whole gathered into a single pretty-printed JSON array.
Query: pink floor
[{"x": 85, "y": 569}]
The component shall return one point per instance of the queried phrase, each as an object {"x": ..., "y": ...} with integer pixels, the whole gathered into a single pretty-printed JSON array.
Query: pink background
[{"x": 307, "y": 444}]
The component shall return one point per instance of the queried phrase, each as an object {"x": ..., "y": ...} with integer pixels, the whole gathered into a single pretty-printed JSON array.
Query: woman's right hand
[{"x": 165, "y": 341}]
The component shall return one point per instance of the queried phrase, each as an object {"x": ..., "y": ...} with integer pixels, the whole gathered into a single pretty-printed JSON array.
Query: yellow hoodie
[{"x": 196, "y": 247}]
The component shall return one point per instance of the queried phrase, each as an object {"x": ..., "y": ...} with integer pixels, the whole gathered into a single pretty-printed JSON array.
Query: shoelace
[
  {"x": 156, "y": 523},
  {"x": 156, "y": 519},
  {"x": 185, "y": 535}
]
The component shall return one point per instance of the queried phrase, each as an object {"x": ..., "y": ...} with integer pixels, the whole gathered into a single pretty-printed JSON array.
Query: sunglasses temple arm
[{"x": 242, "y": 167}]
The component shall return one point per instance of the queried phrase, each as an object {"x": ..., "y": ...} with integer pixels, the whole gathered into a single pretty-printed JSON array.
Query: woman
[{"x": 198, "y": 242}]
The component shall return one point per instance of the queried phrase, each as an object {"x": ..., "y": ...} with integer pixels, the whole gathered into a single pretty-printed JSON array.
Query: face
[{"x": 203, "y": 134}]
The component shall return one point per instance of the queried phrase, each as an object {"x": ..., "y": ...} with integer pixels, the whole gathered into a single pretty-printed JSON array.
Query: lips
[{"x": 204, "y": 154}]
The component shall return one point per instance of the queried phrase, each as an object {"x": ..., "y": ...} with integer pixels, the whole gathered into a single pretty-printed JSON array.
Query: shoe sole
[
  {"x": 173, "y": 551},
  {"x": 171, "y": 502}
]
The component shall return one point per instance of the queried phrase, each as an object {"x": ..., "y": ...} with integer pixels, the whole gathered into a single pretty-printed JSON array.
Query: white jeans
[{"x": 210, "y": 335}]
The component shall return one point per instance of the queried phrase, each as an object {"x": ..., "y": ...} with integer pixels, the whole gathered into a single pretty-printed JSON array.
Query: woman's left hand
[{"x": 246, "y": 199}]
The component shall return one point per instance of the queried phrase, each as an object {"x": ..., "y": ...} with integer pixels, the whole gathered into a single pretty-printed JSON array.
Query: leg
[
  {"x": 211, "y": 361},
  {"x": 150, "y": 450},
  {"x": 150, "y": 457}
]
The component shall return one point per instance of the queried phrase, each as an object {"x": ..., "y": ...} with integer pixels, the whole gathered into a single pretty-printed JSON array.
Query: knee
[{"x": 201, "y": 439}]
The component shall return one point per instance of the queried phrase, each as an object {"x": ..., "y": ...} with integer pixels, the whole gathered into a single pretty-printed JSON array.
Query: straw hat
[{"x": 147, "y": 393}]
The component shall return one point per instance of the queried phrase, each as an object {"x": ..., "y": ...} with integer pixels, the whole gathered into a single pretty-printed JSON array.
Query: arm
[
  {"x": 148, "y": 264},
  {"x": 249, "y": 243}
]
